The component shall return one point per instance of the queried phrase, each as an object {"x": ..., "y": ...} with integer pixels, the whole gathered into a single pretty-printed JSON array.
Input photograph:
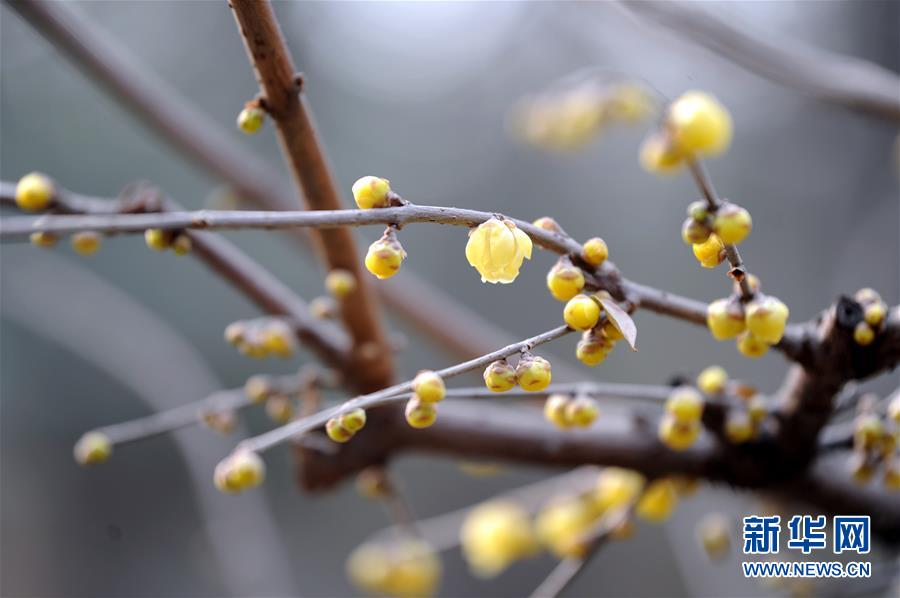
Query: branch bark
[{"x": 280, "y": 84}]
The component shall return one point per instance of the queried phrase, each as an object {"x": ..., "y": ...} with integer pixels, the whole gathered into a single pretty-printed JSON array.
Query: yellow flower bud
[
  {"x": 867, "y": 431},
  {"x": 685, "y": 404},
  {"x": 258, "y": 389},
  {"x": 86, "y": 243},
  {"x": 739, "y": 427},
  {"x": 555, "y": 410},
  {"x": 699, "y": 124},
  {"x": 353, "y": 420},
  {"x": 562, "y": 524},
  {"x": 280, "y": 409},
  {"x": 594, "y": 251},
  {"x": 564, "y": 280},
  {"x": 242, "y": 470},
  {"x": 182, "y": 244},
  {"x": 725, "y": 319},
  {"x": 42, "y": 239},
  {"x": 371, "y": 192},
  {"x": 694, "y": 232},
  {"x": 732, "y": 223},
  {"x": 713, "y": 380},
  {"x": 660, "y": 156},
  {"x": 616, "y": 488},
  {"x": 372, "y": 483},
  {"x": 766, "y": 319},
  {"x": 420, "y": 414},
  {"x": 582, "y": 312},
  {"x": 235, "y": 332},
  {"x": 593, "y": 349},
  {"x": 874, "y": 314},
  {"x": 533, "y": 373},
  {"x": 499, "y": 376},
  {"x": 429, "y": 387},
  {"x": 336, "y": 431},
  {"x": 385, "y": 256},
  {"x": 658, "y": 501},
  {"x": 497, "y": 248},
  {"x": 250, "y": 120},
  {"x": 340, "y": 283},
  {"x": 548, "y": 224},
  {"x": 278, "y": 339},
  {"x": 750, "y": 346},
  {"x": 157, "y": 239},
  {"x": 678, "y": 435},
  {"x": 711, "y": 252},
  {"x": 494, "y": 535},
  {"x": 582, "y": 411},
  {"x": 219, "y": 421},
  {"x": 34, "y": 192},
  {"x": 92, "y": 448},
  {"x": 406, "y": 568},
  {"x": 863, "y": 334}
]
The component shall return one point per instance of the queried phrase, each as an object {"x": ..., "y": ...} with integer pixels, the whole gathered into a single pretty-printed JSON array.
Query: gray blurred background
[{"x": 417, "y": 93}]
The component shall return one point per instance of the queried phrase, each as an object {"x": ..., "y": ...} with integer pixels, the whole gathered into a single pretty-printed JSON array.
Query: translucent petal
[
  {"x": 523, "y": 242},
  {"x": 502, "y": 244},
  {"x": 475, "y": 247}
]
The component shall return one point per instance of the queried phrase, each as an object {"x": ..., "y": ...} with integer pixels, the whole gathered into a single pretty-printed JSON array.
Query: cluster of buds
[
  {"x": 533, "y": 373},
  {"x": 708, "y": 232},
  {"x": 695, "y": 124},
  {"x": 495, "y": 535},
  {"x": 496, "y": 249},
  {"x": 565, "y": 280},
  {"x": 262, "y": 337},
  {"x": 159, "y": 240},
  {"x": 743, "y": 421},
  {"x": 566, "y": 411},
  {"x": 875, "y": 442},
  {"x": 874, "y": 315},
  {"x": 93, "y": 448},
  {"x": 386, "y": 254},
  {"x": 428, "y": 391},
  {"x": 342, "y": 428},
  {"x": 279, "y": 405},
  {"x": 680, "y": 427},
  {"x": 403, "y": 567},
  {"x": 569, "y": 118},
  {"x": 756, "y": 324}
]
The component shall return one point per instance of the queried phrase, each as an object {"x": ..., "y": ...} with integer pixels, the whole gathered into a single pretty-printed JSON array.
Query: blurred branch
[
  {"x": 202, "y": 140},
  {"x": 847, "y": 81},
  {"x": 246, "y": 275},
  {"x": 281, "y": 86}
]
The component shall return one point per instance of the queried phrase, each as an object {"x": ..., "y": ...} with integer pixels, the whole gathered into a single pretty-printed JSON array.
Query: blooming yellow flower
[
  {"x": 497, "y": 249},
  {"x": 495, "y": 535}
]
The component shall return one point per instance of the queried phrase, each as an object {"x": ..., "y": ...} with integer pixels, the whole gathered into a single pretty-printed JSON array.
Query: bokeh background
[{"x": 417, "y": 93}]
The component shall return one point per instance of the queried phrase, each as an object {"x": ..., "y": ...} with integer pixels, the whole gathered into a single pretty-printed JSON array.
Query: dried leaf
[{"x": 620, "y": 319}]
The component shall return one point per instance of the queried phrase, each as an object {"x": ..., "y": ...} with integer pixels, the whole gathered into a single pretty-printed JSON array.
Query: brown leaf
[{"x": 620, "y": 319}]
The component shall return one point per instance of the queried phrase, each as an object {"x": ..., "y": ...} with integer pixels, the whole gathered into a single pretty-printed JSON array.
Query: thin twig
[{"x": 300, "y": 426}]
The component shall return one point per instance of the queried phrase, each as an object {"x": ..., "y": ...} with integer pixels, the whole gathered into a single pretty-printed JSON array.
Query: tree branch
[
  {"x": 247, "y": 276},
  {"x": 281, "y": 85}
]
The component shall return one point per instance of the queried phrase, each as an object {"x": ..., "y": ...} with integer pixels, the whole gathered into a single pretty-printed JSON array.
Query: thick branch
[{"x": 280, "y": 84}]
